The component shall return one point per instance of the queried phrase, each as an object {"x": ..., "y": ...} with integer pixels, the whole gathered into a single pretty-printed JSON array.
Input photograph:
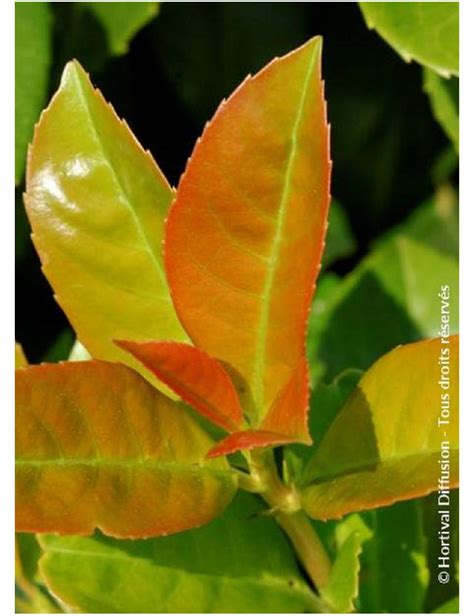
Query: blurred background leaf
[
  {"x": 444, "y": 96},
  {"x": 32, "y": 62},
  {"x": 425, "y": 32}
]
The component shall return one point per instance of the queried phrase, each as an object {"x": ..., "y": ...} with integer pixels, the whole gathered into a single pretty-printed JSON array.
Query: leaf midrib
[
  {"x": 118, "y": 181},
  {"x": 262, "y": 330},
  {"x": 139, "y": 463}
]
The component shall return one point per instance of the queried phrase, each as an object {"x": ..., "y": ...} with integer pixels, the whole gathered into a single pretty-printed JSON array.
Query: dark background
[{"x": 388, "y": 151}]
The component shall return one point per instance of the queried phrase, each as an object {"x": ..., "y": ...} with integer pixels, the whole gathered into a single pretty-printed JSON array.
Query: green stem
[{"x": 284, "y": 501}]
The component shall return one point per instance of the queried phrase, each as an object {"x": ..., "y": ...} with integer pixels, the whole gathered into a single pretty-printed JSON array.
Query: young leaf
[
  {"x": 245, "y": 234},
  {"x": 427, "y": 32},
  {"x": 96, "y": 202},
  {"x": 98, "y": 447},
  {"x": 343, "y": 585},
  {"x": 444, "y": 97},
  {"x": 122, "y": 20},
  {"x": 385, "y": 444},
  {"x": 32, "y": 61},
  {"x": 196, "y": 377},
  {"x": 286, "y": 421},
  {"x": 240, "y": 562}
]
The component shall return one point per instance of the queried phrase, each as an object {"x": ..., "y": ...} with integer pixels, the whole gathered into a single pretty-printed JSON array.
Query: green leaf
[
  {"x": 343, "y": 585},
  {"x": 390, "y": 298},
  {"x": 439, "y": 594},
  {"x": 444, "y": 97},
  {"x": 340, "y": 241},
  {"x": 325, "y": 403},
  {"x": 385, "y": 443},
  {"x": 450, "y": 607},
  {"x": 32, "y": 62},
  {"x": 30, "y": 594},
  {"x": 427, "y": 32},
  {"x": 122, "y": 20},
  {"x": 394, "y": 574},
  {"x": 240, "y": 562},
  {"x": 97, "y": 204},
  {"x": 434, "y": 223},
  {"x": 98, "y": 447}
]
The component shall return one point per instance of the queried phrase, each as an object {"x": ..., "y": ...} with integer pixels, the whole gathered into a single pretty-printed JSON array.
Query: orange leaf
[
  {"x": 98, "y": 447},
  {"x": 248, "y": 439},
  {"x": 196, "y": 377},
  {"x": 289, "y": 412},
  {"x": 245, "y": 235},
  {"x": 286, "y": 421}
]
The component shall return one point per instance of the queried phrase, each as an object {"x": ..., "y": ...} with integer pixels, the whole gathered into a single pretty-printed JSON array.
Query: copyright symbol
[{"x": 443, "y": 577}]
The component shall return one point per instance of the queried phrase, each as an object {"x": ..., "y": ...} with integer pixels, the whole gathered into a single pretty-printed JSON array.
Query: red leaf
[
  {"x": 289, "y": 412},
  {"x": 248, "y": 439},
  {"x": 286, "y": 422},
  {"x": 196, "y": 377}
]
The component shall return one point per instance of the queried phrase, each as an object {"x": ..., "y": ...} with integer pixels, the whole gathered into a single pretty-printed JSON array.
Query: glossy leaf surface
[
  {"x": 97, "y": 202},
  {"x": 385, "y": 443},
  {"x": 245, "y": 234},
  {"x": 444, "y": 97},
  {"x": 122, "y": 20},
  {"x": 240, "y": 562},
  {"x": 32, "y": 62},
  {"x": 196, "y": 377},
  {"x": 98, "y": 447},
  {"x": 427, "y": 32}
]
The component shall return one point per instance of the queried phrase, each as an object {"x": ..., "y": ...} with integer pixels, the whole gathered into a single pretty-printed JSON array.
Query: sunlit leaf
[
  {"x": 32, "y": 61},
  {"x": 427, "y": 32},
  {"x": 385, "y": 444},
  {"x": 98, "y": 447},
  {"x": 196, "y": 377},
  {"x": 343, "y": 585},
  {"x": 240, "y": 562},
  {"x": 245, "y": 234},
  {"x": 450, "y": 607},
  {"x": 444, "y": 97},
  {"x": 20, "y": 359},
  {"x": 97, "y": 203},
  {"x": 122, "y": 20}
]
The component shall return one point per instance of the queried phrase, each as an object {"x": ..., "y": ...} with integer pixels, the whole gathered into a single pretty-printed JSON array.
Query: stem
[
  {"x": 308, "y": 546},
  {"x": 284, "y": 500}
]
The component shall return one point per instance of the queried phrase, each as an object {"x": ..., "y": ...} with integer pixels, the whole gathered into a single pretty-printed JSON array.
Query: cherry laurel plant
[{"x": 193, "y": 305}]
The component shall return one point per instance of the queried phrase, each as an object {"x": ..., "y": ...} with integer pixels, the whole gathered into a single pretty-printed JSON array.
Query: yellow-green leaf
[
  {"x": 444, "y": 97},
  {"x": 427, "y": 32},
  {"x": 98, "y": 447},
  {"x": 97, "y": 203},
  {"x": 387, "y": 441}
]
